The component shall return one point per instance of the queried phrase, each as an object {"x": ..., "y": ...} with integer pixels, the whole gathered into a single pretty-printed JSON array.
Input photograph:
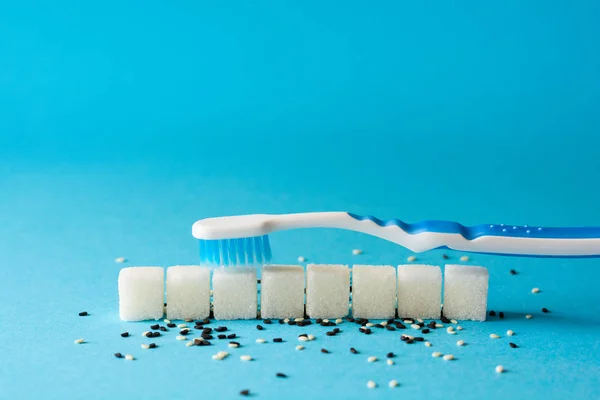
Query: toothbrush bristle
[{"x": 234, "y": 252}]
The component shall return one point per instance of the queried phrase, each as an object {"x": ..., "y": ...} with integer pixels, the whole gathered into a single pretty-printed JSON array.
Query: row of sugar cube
[{"x": 415, "y": 290}]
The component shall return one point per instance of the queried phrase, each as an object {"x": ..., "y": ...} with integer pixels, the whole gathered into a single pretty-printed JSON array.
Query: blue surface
[{"x": 123, "y": 123}]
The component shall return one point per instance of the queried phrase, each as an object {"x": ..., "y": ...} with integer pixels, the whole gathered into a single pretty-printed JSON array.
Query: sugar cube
[
  {"x": 141, "y": 293},
  {"x": 373, "y": 291},
  {"x": 465, "y": 292},
  {"x": 419, "y": 291},
  {"x": 327, "y": 290},
  {"x": 282, "y": 291},
  {"x": 188, "y": 292},
  {"x": 235, "y": 293}
]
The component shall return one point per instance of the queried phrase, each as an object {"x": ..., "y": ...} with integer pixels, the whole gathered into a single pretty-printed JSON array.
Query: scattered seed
[
  {"x": 513, "y": 272},
  {"x": 529, "y": 316},
  {"x": 301, "y": 259},
  {"x": 163, "y": 329},
  {"x": 445, "y": 257},
  {"x": 281, "y": 375},
  {"x": 509, "y": 332},
  {"x": 118, "y": 355},
  {"x": 439, "y": 325},
  {"x": 259, "y": 340},
  {"x": 246, "y": 358},
  {"x": 389, "y": 361},
  {"x": 339, "y": 321},
  {"x": 167, "y": 321},
  {"x": 79, "y": 341},
  {"x": 303, "y": 338},
  {"x": 494, "y": 336},
  {"x": 357, "y": 252},
  {"x": 545, "y": 310},
  {"x": 324, "y": 351},
  {"x": 311, "y": 337},
  {"x": 448, "y": 357},
  {"x": 129, "y": 357},
  {"x": 427, "y": 344},
  {"x": 499, "y": 369},
  {"x": 182, "y": 326},
  {"x": 299, "y": 347},
  {"x": 221, "y": 329},
  {"x": 372, "y": 359},
  {"x": 535, "y": 290},
  {"x": 459, "y": 328},
  {"x": 277, "y": 340},
  {"x": 330, "y": 333},
  {"x": 492, "y": 313},
  {"x": 124, "y": 334},
  {"x": 411, "y": 258},
  {"x": 369, "y": 324},
  {"x": 501, "y": 314},
  {"x": 460, "y": 343},
  {"x": 234, "y": 345},
  {"x": 154, "y": 334},
  {"x": 371, "y": 385},
  {"x": 145, "y": 346},
  {"x": 511, "y": 344},
  {"x": 221, "y": 336},
  {"x": 415, "y": 326},
  {"x": 259, "y": 327},
  {"x": 120, "y": 260},
  {"x": 171, "y": 325},
  {"x": 454, "y": 321},
  {"x": 464, "y": 258},
  {"x": 245, "y": 392},
  {"x": 436, "y": 354},
  {"x": 180, "y": 337},
  {"x": 390, "y": 355},
  {"x": 353, "y": 350},
  {"x": 83, "y": 313},
  {"x": 393, "y": 383}
]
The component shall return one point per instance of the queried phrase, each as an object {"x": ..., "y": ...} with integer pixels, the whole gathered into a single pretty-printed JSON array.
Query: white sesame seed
[
  {"x": 427, "y": 344},
  {"x": 217, "y": 357},
  {"x": 460, "y": 343},
  {"x": 167, "y": 321},
  {"x": 311, "y": 336},
  {"x": 372, "y": 359},
  {"x": 383, "y": 323},
  {"x": 535, "y": 290},
  {"x": 494, "y": 336},
  {"x": 509, "y": 332},
  {"x": 420, "y": 320},
  {"x": 449, "y": 329},
  {"x": 371, "y": 385},
  {"x": 299, "y": 319},
  {"x": 436, "y": 354},
  {"x": 357, "y": 252},
  {"x": 245, "y": 358},
  {"x": 180, "y": 337},
  {"x": 499, "y": 369},
  {"x": 79, "y": 341},
  {"x": 407, "y": 336},
  {"x": 370, "y": 324},
  {"x": 299, "y": 347},
  {"x": 129, "y": 357},
  {"x": 180, "y": 326},
  {"x": 189, "y": 344},
  {"x": 286, "y": 320},
  {"x": 529, "y": 316},
  {"x": 145, "y": 346},
  {"x": 301, "y": 259},
  {"x": 389, "y": 361},
  {"x": 415, "y": 326},
  {"x": 454, "y": 321},
  {"x": 448, "y": 357},
  {"x": 223, "y": 353},
  {"x": 145, "y": 333},
  {"x": 411, "y": 258},
  {"x": 393, "y": 383},
  {"x": 233, "y": 345},
  {"x": 459, "y": 328},
  {"x": 439, "y": 325},
  {"x": 303, "y": 338},
  {"x": 120, "y": 260},
  {"x": 339, "y": 321},
  {"x": 452, "y": 332},
  {"x": 464, "y": 258},
  {"x": 408, "y": 321},
  {"x": 259, "y": 340},
  {"x": 326, "y": 321}
]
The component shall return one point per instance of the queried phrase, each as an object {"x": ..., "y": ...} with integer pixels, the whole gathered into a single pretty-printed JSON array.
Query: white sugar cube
[
  {"x": 419, "y": 291},
  {"x": 141, "y": 293},
  {"x": 235, "y": 293},
  {"x": 188, "y": 292},
  {"x": 373, "y": 291},
  {"x": 327, "y": 290},
  {"x": 282, "y": 291},
  {"x": 465, "y": 292}
]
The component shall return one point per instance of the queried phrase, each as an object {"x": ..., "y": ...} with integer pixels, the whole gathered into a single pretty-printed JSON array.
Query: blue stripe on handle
[{"x": 473, "y": 232}]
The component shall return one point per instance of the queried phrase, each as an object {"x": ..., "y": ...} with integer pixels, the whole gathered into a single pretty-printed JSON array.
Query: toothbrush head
[{"x": 236, "y": 252}]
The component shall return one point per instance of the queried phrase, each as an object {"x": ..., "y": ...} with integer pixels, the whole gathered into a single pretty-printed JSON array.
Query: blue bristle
[{"x": 232, "y": 252}]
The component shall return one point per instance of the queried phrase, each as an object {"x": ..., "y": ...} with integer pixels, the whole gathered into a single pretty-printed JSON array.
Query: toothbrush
[{"x": 243, "y": 239}]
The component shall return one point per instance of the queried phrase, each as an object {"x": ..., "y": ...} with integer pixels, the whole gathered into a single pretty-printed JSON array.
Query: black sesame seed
[
  {"x": 324, "y": 351},
  {"x": 291, "y": 322},
  {"x": 445, "y": 257},
  {"x": 278, "y": 340},
  {"x": 118, "y": 355},
  {"x": 124, "y": 334},
  {"x": 231, "y": 336},
  {"x": 492, "y": 313},
  {"x": 390, "y": 328},
  {"x": 155, "y": 334},
  {"x": 367, "y": 331},
  {"x": 303, "y": 334},
  {"x": 390, "y": 355},
  {"x": 267, "y": 321},
  {"x": 281, "y": 375},
  {"x": 404, "y": 338},
  {"x": 409, "y": 341},
  {"x": 148, "y": 334},
  {"x": 336, "y": 330},
  {"x": 201, "y": 342},
  {"x": 445, "y": 320},
  {"x": 154, "y": 327},
  {"x": 400, "y": 325},
  {"x": 207, "y": 330},
  {"x": 245, "y": 392},
  {"x": 301, "y": 323},
  {"x": 418, "y": 339},
  {"x": 378, "y": 326},
  {"x": 319, "y": 320},
  {"x": 511, "y": 344},
  {"x": 353, "y": 350},
  {"x": 513, "y": 272},
  {"x": 431, "y": 325},
  {"x": 221, "y": 328},
  {"x": 206, "y": 336},
  {"x": 258, "y": 281},
  {"x": 184, "y": 332},
  {"x": 83, "y": 313},
  {"x": 330, "y": 333},
  {"x": 425, "y": 331},
  {"x": 324, "y": 324},
  {"x": 188, "y": 320},
  {"x": 152, "y": 346},
  {"x": 206, "y": 321},
  {"x": 349, "y": 319},
  {"x": 163, "y": 329},
  {"x": 545, "y": 310},
  {"x": 259, "y": 327},
  {"x": 171, "y": 325},
  {"x": 235, "y": 343},
  {"x": 221, "y": 336}
]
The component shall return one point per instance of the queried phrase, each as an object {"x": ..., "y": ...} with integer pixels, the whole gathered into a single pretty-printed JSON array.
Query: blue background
[{"x": 121, "y": 123}]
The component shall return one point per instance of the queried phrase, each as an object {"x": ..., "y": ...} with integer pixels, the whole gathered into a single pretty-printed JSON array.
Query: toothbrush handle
[{"x": 428, "y": 235}]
